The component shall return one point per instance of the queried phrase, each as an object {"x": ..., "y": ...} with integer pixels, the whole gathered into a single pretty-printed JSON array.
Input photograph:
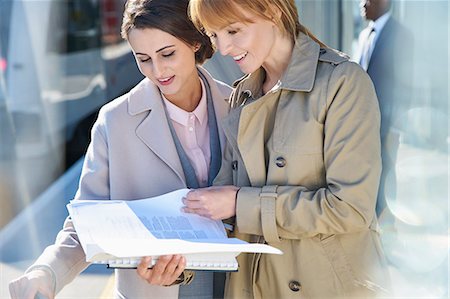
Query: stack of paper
[{"x": 119, "y": 233}]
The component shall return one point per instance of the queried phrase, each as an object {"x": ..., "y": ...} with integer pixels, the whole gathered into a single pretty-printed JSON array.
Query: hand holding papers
[{"x": 119, "y": 233}]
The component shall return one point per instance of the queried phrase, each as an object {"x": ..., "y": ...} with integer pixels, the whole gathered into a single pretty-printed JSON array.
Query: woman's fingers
[
  {"x": 165, "y": 271},
  {"x": 159, "y": 269},
  {"x": 217, "y": 202},
  {"x": 143, "y": 268},
  {"x": 193, "y": 203},
  {"x": 173, "y": 270}
]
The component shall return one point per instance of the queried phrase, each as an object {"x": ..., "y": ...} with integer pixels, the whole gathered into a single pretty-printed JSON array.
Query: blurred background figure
[
  {"x": 404, "y": 49},
  {"x": 385, "y": 49}
]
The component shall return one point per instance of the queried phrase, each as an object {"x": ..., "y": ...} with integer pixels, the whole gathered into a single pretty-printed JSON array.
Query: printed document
[{"x": 118, "y": 233}]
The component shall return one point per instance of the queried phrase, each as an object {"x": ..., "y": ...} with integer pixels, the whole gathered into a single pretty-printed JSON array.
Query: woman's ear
[{"x": 197, "y": 47}]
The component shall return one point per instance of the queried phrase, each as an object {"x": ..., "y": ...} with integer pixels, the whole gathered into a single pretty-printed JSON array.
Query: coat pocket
[{"x": 339, "y": 262}]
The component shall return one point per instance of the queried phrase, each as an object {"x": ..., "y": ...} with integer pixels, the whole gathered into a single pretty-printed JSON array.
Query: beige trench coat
[{"x": 307, "y": 158}]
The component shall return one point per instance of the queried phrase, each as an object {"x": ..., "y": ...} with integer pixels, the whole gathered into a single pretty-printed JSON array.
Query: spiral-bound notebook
[
  {"x": 119, "y": 232},
  {"x": 208, "y": 262}
]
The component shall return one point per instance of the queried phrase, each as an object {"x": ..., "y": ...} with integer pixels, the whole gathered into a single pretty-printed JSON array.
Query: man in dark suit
[{"x": 385, "y": 52}]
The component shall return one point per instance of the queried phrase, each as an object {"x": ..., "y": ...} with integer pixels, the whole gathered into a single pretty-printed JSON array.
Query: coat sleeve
[
  {"x": 66, "y": 257},
  {"x": 351, "y": 153}
]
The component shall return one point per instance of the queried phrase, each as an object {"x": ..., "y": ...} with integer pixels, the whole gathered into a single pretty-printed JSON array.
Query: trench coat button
[
  {"x": 234, "y": 165},
  {"x": 294, "y": 286},
  {"x": 280, "y": 162}
]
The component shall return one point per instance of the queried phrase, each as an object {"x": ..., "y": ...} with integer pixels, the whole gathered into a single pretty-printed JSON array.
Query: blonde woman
[{"x": 302, "y": 161}]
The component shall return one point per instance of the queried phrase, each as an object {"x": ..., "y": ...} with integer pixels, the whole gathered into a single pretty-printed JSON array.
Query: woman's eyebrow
[
  {"x": 157, "y": 51},
  {"x": 163, "y": 48}
]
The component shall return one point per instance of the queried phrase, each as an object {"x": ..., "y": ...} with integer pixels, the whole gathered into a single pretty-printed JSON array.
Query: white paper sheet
[
  {"x": 163, "y": 217},
  {"x": 151, "y": 227}
]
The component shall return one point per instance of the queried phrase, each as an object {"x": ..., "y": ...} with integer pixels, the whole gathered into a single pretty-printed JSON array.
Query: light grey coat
[{"x": 131, "y": 156}]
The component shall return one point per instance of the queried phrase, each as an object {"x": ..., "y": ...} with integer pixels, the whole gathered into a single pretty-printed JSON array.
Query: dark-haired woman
[{"x": 163, "y": 135}]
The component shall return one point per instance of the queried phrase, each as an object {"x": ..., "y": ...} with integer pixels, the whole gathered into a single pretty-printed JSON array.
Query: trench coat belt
[{"x": 268, "y": 197}]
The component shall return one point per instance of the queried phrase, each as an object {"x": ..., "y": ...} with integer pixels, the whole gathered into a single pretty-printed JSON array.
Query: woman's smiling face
[
  {"x": 250, "y": 44},
  {"x": 166, "y": 60}
]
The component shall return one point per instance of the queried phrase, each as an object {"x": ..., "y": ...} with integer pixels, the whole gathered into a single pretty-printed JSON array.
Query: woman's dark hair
[{"x": 169, "y": 16}]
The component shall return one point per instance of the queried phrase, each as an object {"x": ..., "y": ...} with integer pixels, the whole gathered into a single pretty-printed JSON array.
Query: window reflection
[
  {"x": 415, "y": 226},
  {"x": 53, "y": 78}
]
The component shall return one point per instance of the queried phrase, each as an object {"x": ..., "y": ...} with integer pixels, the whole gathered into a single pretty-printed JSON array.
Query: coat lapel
[
  {"x": 221, "y": 106},
  {"x": 251, "y": 142},
  {"x": 381, "y": 42},
  {"x": 154, "y": 130},
  {"x": 230, "y": 128}
]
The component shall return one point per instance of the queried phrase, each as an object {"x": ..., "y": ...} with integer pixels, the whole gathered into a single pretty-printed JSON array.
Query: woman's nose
[
  {"x": 223, "y": 45},
  {"x": 157, "y": 69}
]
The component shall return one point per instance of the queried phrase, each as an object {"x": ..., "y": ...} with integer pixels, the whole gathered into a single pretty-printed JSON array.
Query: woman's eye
[
  {"x": 168, "y": 54},
  {"x": 231, "y": 32},
  {"x": 144, "y": 59}
]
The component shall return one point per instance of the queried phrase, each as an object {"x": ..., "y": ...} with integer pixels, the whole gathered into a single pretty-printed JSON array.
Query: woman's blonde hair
[{"x": 207, "y": 14}]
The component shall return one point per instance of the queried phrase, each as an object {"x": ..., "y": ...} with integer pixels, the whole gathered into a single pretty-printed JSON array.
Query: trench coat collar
[{"x": 300, "y": 73}]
